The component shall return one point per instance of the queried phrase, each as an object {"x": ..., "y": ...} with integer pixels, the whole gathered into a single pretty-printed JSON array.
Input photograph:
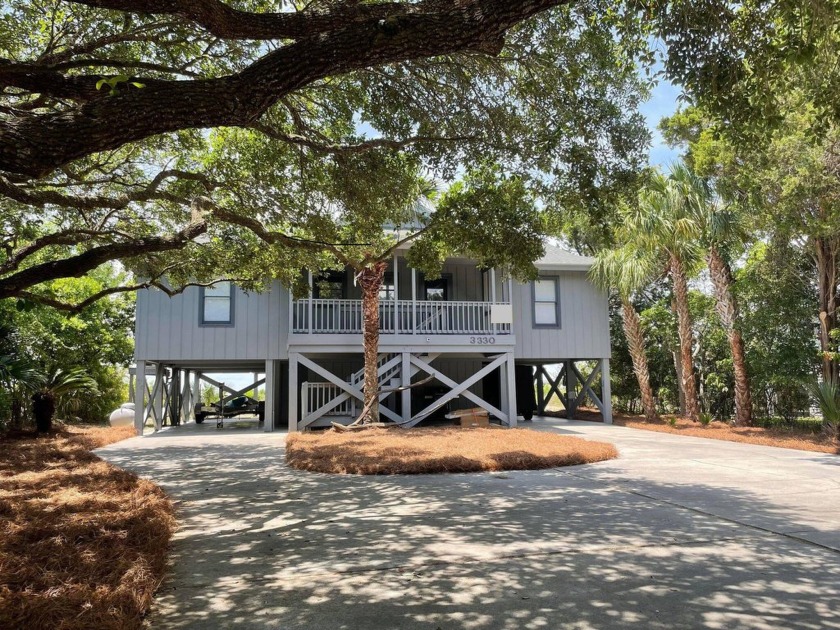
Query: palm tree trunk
[
  {"x": 727, "y": 309},
  {"x": 692, "y": 404},
  {"x": 675, "y": 356},
  {"x": 370, "y": 280},
  {"x": 636, "y": 344}
]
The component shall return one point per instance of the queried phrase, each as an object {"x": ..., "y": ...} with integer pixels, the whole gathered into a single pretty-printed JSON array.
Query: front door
[{"x": 437, "y": 290}]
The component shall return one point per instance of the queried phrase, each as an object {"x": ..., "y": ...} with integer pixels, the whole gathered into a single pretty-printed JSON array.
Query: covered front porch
[{"x": 464, "y": 300}]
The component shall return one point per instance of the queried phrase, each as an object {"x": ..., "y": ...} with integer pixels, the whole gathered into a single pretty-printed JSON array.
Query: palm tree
[
  {"x": 662, "y": 227},
  {"x": 52, "y": 387},
  {"x": 720, "y": 228},
  {"x": 627, "y": 271},
  {"x": 15, "y": 371},
  {"x": 16, "y": 376}
]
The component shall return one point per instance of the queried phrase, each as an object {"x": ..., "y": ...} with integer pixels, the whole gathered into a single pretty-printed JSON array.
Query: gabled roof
[{"x": 558, "y": 259}]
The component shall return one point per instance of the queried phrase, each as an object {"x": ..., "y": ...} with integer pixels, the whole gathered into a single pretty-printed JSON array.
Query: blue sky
[{"x": 663, "y": 102}]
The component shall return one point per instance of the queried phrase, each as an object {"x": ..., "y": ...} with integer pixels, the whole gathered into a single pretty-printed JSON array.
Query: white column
[
  {"x": 406, "y": 381},
  {"x": 139, "y": 396},
  {"x": 606, "y": 391},
  {"x": 510, "y": 373},
  {"x": 309, "y": 304},
  {"x": 158, "y": 401},
  {"x": 493, "y": 327},
  {"x": 291, "y": 311},
  {"x": 413, "y": 301},
  {"x": 396, "y": 294},
  {"x": 294, "y": 392},
  {"x": 541, "y": 402},
  {"x": 493, "y": 285},
  {"x": 270, "y": 394}
]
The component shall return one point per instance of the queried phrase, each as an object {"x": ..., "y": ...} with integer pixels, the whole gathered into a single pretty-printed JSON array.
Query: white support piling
[
  {"x": 510, "y": 373},
  {"x": 571, "y": 390},
  {"x": 186, "y": 397},
  {"x": 271, "y": 370},
  {"x": 294, "y": 392},
  {"x": 140, "y": 397},
  {"x": 405, "y": 373},
  {"x": 196, "y": 397},
  {"x": 158, "y": 397},
  {"x": 606, "y": 392}
]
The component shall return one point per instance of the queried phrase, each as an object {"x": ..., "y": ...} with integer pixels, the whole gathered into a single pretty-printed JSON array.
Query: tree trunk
[
  {"x": 370, "y": 279},
  {"x": 692, "y": 405},
  {"x": 636, "y": 344},
  {"x": 827, "y": 258},
  {"x": 675, "y": 355},
  {"x": 43, "y": 408},
  {"x": 727, "y": 309}
]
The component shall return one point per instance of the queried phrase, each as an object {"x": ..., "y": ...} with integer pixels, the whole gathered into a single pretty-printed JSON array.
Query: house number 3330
[{"x": 483, "y": 341}]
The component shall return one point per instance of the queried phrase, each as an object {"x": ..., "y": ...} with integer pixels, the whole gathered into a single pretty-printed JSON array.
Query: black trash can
[{"x": 526, "y": 399}]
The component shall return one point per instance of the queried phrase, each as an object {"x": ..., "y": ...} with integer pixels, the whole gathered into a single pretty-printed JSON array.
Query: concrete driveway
[{"x": 679, "y": 532}]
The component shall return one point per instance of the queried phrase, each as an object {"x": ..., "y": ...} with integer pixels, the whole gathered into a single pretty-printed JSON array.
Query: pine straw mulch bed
[
  {"x": 779, "y": 437},
  {"x": 392, "y": 451},
  {"x": 83, "y": 544}
]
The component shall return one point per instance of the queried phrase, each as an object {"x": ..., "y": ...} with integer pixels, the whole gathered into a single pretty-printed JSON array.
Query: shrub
[{"x": 827, "y": 394}]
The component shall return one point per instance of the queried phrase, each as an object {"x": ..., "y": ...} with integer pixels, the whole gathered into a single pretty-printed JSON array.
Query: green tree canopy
[{"x": 103, "y": 156}]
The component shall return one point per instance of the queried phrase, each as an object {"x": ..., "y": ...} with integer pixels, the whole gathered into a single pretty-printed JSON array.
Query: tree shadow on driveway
[{"x": 264, "y": 546}]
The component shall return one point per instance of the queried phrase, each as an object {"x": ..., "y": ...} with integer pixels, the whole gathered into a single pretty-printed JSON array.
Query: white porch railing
[
  {"x": 404, "y": 316},
  {"x": 316, "y": 395}
]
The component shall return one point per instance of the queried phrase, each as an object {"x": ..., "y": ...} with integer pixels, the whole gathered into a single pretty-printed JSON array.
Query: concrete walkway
[{"x": 679, "y": 532}]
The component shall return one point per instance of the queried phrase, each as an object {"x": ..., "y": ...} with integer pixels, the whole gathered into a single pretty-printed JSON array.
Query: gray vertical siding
[
  {"x": 584, "y": 331},
  {"x": 168, "y": 328}
]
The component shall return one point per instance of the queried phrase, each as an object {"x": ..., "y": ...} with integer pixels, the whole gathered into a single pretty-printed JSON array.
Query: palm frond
[
  {"x": 827, "y": 394},
  {"x": 13, "y": 370},
  {"x": 627, "y": 269}
]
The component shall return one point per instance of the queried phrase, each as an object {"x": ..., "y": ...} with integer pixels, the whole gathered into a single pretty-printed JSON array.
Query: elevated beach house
[{"x": 481, "y": 337}]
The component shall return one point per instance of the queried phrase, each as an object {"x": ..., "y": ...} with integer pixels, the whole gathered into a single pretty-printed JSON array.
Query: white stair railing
[{"x": 315, "y": 395}]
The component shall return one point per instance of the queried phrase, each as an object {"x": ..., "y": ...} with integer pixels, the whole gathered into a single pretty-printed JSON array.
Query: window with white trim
[
  {"x": 217, "y": 304},
  {"x": 546, "y": 303}
]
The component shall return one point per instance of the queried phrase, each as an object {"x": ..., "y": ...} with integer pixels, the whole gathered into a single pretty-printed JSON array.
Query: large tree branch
[
  {"x": 224, "y": 21},
  {"x": 357, "y": 147},
  {"x": 77, "y": 307},
  {"x": 66, "y": 238},
  {"x": 273, "y": 237},
  {"x": 40, "y": 198},
  {"x": 80, "y": 264},
  {"x": 35, "y": 144}
]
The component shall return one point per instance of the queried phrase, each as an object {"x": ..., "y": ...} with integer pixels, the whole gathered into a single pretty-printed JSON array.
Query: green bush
[{"x": 827, "y": 394}]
